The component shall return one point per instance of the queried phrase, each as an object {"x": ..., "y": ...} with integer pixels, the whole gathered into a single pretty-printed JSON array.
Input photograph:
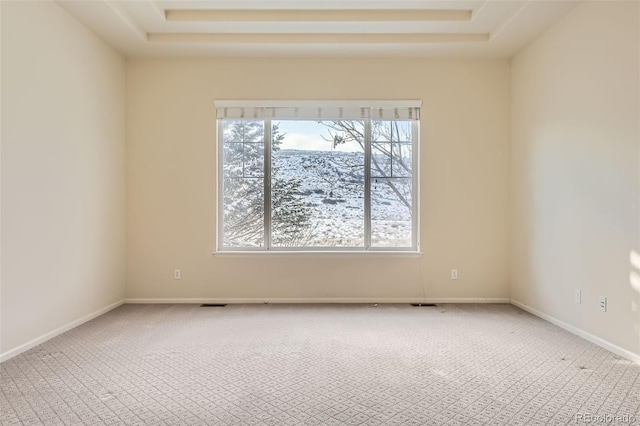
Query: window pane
[
  {"x": 243, "y": 212},
  {"x": 381, "y": 160},
  {"x": 391, "y": 224},
  {"x": 243, "y": 183},
  {"x": 242, "y": 131},
  {"x": 253, "y": 159},
  {"x": 391, "y": 148},
  {"x": 317, "y": 184},
  {"x": 391, "y": 131},
  {"x": 380, "y": 131},
  {"x": 391, "y": 172},
  {"x": 401, "y": 159}
]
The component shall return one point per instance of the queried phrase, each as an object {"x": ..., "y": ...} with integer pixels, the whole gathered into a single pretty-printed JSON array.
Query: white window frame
[{"x": 367, "y": 249}]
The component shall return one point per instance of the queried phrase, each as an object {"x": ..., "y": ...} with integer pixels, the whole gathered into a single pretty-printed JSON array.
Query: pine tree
[{"x": 243, "y": 191}]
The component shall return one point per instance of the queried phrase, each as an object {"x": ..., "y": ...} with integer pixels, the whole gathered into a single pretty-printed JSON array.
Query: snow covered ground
[{"x": 333, "y": 188}]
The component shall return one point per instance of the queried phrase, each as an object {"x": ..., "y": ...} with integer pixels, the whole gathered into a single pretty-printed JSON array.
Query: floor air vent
[
  {"x": 424, "y": 304},
  {"x": 213, "y": 305}
]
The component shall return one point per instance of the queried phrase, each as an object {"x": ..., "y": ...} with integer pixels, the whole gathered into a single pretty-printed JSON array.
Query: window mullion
[
  {"x": 220, "y": 190},
  {"x": 367, "y": 184},
  {"x": 267, "y": 184},
  {"x": 415, "y": 185}
]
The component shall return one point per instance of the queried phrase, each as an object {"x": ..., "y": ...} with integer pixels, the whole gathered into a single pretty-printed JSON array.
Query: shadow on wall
[{"x": 634, "y": 280}]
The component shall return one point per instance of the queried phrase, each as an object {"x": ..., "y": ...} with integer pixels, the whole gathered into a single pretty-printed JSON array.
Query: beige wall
[
  {"x": 171, "y": 171},
  {"x": 63, "y": 218},
  {"x": 575, "y": 171},
  {"x": 574, "y": 174},
  {"x": 573, "y": 97}
]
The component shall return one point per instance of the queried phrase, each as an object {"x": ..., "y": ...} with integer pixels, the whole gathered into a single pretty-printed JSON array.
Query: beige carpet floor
[{"x": 318, "y": 365}]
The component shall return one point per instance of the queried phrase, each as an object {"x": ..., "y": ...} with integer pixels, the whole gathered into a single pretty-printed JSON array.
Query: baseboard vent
[
  {"x": 213, "y": 305},
  {"x": 424, "y": 304}
]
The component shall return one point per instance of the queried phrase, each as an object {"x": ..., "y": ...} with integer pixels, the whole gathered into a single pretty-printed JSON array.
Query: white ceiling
[{"x": 311, "y": 27}]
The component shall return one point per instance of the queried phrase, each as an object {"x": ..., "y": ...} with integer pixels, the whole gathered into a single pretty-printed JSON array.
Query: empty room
[{"x": 391, "y": 212}]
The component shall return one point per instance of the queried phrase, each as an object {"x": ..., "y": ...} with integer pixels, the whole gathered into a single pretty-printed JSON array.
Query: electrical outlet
[
  {"x": 454, "y": 274},
  {"x": 578, "y": 295},
  {"x": 603, "y": 304},
  {"x": 177, "y": 274}
]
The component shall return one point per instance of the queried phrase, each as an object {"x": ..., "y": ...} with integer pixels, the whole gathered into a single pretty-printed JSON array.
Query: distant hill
[{"x": 332, "y": 185}]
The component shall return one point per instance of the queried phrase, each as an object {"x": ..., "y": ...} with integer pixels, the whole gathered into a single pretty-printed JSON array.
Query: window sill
[{"x": 318, "y": 253}]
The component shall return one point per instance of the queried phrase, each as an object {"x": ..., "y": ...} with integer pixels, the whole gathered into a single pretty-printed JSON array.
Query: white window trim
[
  {"x": 367, "y": 250},
  {"x": 304, "y": 252}
]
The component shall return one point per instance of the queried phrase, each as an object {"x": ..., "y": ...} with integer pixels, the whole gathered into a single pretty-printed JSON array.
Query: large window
[{"x": 321, "y": 176}]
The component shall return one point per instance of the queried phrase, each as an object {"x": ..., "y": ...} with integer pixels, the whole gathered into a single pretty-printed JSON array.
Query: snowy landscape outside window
[{"x": 318, "y": 176}]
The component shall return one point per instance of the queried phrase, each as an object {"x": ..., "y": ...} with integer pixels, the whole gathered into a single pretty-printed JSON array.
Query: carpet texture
[{"x": 318, "y": 365}]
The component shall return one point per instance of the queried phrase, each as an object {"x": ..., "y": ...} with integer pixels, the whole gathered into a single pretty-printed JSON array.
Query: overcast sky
[{"x": 307, "y": 135}]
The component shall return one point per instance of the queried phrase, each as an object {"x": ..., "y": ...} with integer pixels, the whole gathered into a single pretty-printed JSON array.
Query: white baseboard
[
  {"x": 580, "y": 332},
  {"x": 50, "y": 335},
  {"x": 470, "y": 300},
  {"x": 318, "y": 300}
]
